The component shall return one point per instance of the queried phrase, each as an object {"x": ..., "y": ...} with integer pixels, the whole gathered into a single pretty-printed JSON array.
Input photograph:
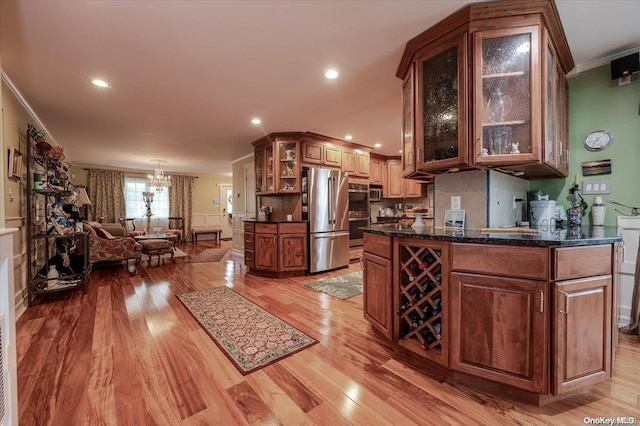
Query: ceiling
[{"x": 187, "y": 77}]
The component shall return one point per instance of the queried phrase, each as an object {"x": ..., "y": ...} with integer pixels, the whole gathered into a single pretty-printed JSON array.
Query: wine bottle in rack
[{"x": 404, "y": 307}]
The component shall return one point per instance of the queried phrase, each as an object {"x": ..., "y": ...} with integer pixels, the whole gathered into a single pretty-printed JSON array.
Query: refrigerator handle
[
  {"x": 330, "y": 196},
  {"x": 335, "y": 192}
]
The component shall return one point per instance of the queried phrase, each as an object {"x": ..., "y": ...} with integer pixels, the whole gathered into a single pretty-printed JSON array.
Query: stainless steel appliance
[
  {"x": 358, "y": 212},
  {"x": 375, "y": 192},
  {"x": 325, "y": 205}
]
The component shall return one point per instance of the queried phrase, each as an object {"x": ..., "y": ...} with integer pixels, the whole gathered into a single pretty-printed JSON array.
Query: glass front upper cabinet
[
  {"x": 408, "y": 155},
  {"x": 442, "y": 104},
  {"x": 505, "y": 68},
  {"x": 289, "y": 166}
]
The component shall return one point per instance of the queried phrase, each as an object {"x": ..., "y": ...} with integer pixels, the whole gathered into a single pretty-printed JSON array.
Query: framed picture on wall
[{"x": 14, "y": 163}]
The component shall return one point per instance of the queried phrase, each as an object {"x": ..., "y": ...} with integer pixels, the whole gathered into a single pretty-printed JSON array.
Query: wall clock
[{"x": 598, "y": 140}]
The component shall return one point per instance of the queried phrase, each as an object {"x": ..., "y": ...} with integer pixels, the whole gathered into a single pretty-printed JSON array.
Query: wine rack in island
[{"x": 420, "y": 294}]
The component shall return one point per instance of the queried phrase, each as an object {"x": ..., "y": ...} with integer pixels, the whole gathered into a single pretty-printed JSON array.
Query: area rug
[
  {"x": 249, "y": 336},
  {"x": 210, "y": 255},
  {"x": 343, "y": 286}
]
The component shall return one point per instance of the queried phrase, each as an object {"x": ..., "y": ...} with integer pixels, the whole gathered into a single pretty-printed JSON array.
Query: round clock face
[{"x": 598, "y": 140}]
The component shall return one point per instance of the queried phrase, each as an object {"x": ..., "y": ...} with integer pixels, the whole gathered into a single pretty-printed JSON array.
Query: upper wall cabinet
[
  {"x": 486, "y": 87},
  {"x": 355, "y": 162},
  {"x": 321, "y": 153},
  {"x": 277, "y": 164}
]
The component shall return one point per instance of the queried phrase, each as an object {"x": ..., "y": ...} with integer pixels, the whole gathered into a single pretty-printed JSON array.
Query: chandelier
[{"x": 158, "y": 180}]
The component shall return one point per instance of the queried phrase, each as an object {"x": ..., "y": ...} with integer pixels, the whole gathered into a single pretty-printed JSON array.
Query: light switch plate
[{"x": 596, "y": 187}]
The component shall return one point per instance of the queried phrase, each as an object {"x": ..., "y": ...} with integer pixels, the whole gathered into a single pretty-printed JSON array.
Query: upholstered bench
[
  {"x": 205, "y": 230},
  {"x": 155, "y": 247}
]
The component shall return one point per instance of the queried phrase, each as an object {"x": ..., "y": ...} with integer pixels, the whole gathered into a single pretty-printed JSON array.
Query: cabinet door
[
  {"x": 507, "y": 88},
  {"x": 312, "y": 152},
  {"x": 394, "y": 176},
  {"x": 499, "y": 329},
  {"x": 349, "y": 161},
  {"x": 375, "y": 170},
  {"x": 332, "y": 155},
  {"x": 550, "y": 105},
  {"x": 362, "y": 167},
  {"x": 413, "y": 188},
  {"x": 408, "y": 122},
  {"x": 582, "y": 343},
  {"x": 266, "y": 252},
  {"x": 264, "y": 169},
  {"x": 293, "y": 252},
  {"x": 376, "y": 281},
  {"x": 289, "y": 171},
  {"x": 441, "y": 106}
]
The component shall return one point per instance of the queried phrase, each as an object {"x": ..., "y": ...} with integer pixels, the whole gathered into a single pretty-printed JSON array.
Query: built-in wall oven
[{"x": 358, "y": 212}]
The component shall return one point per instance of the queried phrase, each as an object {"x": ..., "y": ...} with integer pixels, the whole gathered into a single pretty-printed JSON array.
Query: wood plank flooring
[{"x": 129, "y": 353}]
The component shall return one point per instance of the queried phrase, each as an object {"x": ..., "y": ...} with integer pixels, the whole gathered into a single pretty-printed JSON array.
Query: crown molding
[
  {"x": 16, "y": 92},
  {"x": 601, "y": 61},
  {"x": 242, "y": 158}
]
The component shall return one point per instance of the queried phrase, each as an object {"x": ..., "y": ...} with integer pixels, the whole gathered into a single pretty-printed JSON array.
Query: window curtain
[
  {"x": 181, "y": 200},
  {"x": 106, "y": 191},
  {"x": 634, "y": 326}
]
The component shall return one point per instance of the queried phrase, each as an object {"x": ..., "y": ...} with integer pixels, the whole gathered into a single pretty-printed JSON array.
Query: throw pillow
[
  {"x": 104, "y": 234},
  {"x": 95, "y": 224},
  {"x": 90, "y": 229}
]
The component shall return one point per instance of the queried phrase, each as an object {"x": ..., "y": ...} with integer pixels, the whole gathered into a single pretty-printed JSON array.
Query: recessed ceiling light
[
  {"x": 400, "y": 151},
  {"x": 100, "y": 83},
  {"x": 378, "y": 145},
  {"x": 256, "y": 121},
  {"x": 331, "y": 74},
  {"x": 348, "y": 137}
]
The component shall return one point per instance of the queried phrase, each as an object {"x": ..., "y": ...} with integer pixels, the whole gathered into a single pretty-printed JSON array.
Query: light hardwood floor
[{"x": 129, "y": 353}]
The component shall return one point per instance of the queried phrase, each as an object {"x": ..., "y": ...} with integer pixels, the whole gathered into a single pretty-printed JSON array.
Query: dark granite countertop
[
  {"x": 580, "y": 236},
  {"x": 274, "y": 221}
]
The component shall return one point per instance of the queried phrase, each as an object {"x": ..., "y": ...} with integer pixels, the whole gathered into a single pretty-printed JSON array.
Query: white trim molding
[{"x": 600, "y": 62}]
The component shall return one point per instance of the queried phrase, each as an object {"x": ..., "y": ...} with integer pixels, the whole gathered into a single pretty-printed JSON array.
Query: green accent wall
[{"x": 597, "y": 102}]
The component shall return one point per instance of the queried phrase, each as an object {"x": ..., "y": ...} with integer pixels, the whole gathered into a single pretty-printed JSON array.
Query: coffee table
[{"x": 171, "y": 237}]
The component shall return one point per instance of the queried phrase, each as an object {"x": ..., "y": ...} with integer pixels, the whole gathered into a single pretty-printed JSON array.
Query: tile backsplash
[{"x": 486, "y": 197}]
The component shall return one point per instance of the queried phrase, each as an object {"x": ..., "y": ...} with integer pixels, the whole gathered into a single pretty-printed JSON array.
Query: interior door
[{"x": 226, "y": 204}]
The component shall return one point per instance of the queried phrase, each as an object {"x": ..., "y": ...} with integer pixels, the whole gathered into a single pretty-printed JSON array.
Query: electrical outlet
[
  {"x": 455, "y": 203},
  {"x": 596, "y": 187}
]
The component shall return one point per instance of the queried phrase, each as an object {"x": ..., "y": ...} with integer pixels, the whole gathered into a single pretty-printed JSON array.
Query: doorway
[{"x": 226, "y": 205}]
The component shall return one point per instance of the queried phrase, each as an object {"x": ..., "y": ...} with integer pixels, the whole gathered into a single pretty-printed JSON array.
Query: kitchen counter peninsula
[{"x": 533, "y": 316}]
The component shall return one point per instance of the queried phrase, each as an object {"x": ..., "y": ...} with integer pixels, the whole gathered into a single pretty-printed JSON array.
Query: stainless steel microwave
[{"x": 375, "y": 192}]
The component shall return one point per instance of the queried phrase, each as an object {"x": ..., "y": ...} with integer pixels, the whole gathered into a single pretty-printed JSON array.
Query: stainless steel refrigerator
[{"x": 325, "y": 204}]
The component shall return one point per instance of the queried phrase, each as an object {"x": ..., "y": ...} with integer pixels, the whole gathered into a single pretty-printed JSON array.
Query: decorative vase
[
  {"x": 52, "y": 276},
  {"x": 598, "y": 211},
  {"x": 418, "y": 223}
]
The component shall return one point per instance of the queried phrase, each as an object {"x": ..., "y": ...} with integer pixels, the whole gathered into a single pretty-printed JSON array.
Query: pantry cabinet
[{"x": 486, "y": 87}]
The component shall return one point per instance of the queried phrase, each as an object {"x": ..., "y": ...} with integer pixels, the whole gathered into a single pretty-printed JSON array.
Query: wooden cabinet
[
  {"x": 292, "y": 245},
  {"x": 321, "y": 153},
  {"x": 355, "y": 162},
  {"x": 249, "y": 245},
  {"x": 487, "y": 87},
  {"x": 266, "y": 246},
  {"x": 394, "y": 185},
  {"x": 275, "y": 249},
  {"x": 376, "y": 166},
  {"x": 289, "y": 170},
  {"x": 582, "y": 316},
  {"x": 264, "y": 165},
  {"x": 413, "y": 188},
  {"x": 376, "y": 279},
  {"x": 499, "y": 329}
]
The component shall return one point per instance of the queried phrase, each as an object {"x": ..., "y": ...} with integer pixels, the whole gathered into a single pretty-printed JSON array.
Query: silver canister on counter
[{"x": 542, "y": 214}]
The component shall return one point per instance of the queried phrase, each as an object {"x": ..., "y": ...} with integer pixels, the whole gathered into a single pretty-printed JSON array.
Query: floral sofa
[{"x": 107, "y": 243}]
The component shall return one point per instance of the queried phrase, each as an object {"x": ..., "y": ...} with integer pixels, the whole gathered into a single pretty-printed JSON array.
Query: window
[{"x": 135, "y": 208}]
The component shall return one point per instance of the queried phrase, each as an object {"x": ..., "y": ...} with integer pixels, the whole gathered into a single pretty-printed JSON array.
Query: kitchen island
[{"x": 531, "y": 315}]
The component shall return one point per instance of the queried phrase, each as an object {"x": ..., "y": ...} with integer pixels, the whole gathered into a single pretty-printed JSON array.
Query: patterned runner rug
[
  {"x": 210, "y": 255},
  {"x": 249, "y": 336},
  {"x": 343, "y": 286}
]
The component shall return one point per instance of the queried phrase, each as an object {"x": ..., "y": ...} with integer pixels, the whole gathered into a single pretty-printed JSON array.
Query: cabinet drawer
[
  {"x": 266, "y": 228},
  {"x": 378, "y": 245},
  {"x": 249, "y": 227},
  {"x": 509, "y": 261},
  {"x": 249, "y": 260},
  {"x": 293, "y": 228},
  {"x": 578, "y": 262},
  {"x": 249, "y": 240}
]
